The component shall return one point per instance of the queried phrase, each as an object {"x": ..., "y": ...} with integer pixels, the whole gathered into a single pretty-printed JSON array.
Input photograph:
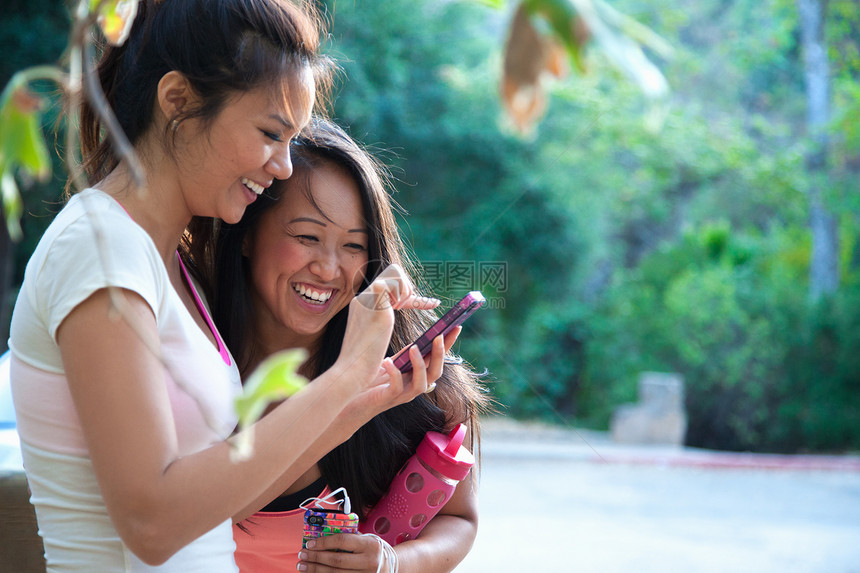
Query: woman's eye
[
  {"x": 355, "y": 247},
  {"x": 273, "y": 136},
  {"x": 309, "y": 238}
]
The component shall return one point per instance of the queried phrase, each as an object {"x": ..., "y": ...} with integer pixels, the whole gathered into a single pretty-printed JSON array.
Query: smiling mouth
[
  {"x": 313, "y": 296},
  {"x": 256, "y": 188}
]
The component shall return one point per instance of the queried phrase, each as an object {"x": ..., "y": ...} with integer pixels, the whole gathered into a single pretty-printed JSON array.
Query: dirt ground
[{"x": 563, "y": 500}]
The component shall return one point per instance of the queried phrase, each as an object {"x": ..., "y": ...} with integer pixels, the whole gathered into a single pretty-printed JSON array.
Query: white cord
[
  {"x": 387, "y": 553},
  {"x": 318, "y": 501}
]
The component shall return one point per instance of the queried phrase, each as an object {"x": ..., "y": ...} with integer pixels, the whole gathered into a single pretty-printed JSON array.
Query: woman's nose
[
  {"x": 280, "y": 165},
  {"x": 325, "y": 266}
]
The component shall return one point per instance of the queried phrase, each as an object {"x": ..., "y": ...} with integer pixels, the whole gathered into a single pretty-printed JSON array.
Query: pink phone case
[
  {"x": 320, "y": 522},
  {"x": 454, "y": 317}
]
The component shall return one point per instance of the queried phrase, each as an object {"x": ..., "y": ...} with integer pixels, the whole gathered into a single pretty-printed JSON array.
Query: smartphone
[
  {"x": 321, "y": 522},
  {"x": 454, "y": 317}
]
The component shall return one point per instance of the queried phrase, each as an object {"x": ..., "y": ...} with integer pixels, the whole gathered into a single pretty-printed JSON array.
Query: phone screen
[{"x": 454, "y": 317}]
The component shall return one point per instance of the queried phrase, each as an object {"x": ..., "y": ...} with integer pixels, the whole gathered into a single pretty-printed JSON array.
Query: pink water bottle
[{"x": 421, "y": 488}]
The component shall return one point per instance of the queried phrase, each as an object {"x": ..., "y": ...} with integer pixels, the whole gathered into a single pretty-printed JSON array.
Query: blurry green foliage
[
  {"x": 625, "y": 250},
  {"x": 22, "y": 147},
  {"x": 35, "y": 33},
  {"x": 32, "y": 33},
  {"x": 763, "y": 369}
]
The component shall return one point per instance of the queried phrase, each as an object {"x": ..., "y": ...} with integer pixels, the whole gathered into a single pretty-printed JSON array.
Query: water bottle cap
[{"x": 446, "y": 454}]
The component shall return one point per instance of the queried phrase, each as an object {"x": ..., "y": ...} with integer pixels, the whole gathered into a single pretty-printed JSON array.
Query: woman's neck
[
  {"x": 270, "y": 341},
  {"x": 270, "y": 345},
  {"x": 270, "y": 335},
  {"x": 158, "y": 207}
]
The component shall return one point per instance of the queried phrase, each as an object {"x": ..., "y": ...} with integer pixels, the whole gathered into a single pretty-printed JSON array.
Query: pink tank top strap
[{"x": 222, "y": 348}]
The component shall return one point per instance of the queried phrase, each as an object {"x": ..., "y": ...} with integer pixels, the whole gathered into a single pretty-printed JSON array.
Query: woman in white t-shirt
[{"x": 122, "y": 386}]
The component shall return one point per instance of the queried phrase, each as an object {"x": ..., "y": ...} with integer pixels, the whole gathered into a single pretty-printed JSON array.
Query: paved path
[{"x": 561, "y": 501}]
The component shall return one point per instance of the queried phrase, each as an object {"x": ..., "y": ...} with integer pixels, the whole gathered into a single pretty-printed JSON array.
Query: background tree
[{"x": 824, "y": 267}]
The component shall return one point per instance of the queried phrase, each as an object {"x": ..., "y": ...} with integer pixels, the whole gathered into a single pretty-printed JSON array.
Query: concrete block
[{"x": 658, "y": 417}]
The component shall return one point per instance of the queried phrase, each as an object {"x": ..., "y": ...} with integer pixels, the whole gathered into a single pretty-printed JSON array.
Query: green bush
[{"x": 764, "y": 369}]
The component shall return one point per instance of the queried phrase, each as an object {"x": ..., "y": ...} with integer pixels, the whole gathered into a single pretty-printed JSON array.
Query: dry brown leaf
[
  {"x": 556, "y": 60},
  {"x": 528, "y": 56}
]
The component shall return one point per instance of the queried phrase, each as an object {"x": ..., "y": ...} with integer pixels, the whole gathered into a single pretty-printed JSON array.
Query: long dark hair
[
  {"x": 223, "y": 47},
  {"x": 366, "y": 463}
]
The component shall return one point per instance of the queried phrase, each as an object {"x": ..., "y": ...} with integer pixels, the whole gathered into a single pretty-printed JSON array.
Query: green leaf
[
  {"x": 562, "y": 17},
  {"x": 275, "y": 379},
  {"x": 115, "y": 18},
  {"x": 22, "y": 145},
  {"x": 491, "y": 3},
  {"x": 21, "y": 139},
  {"x": 618, "y": 36}
]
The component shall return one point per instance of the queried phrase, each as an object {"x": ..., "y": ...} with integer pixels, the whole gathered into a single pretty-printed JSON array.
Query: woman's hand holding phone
[
  {"x": 393, "y": 289},
  {"x": 391, "y": 387},
  {"x": 411, "y": 363},
  {"x": 371, "y": 320},
  {"x": 458, "y": 314},
  {"x": 368, "y": 332},
  {"x": 345, "y": 552}
]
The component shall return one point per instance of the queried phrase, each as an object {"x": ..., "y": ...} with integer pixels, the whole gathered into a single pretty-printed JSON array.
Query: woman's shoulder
[
  {"x": 92, "y": 243},
  {"x": 93, "y": 208},
  {"x": 93, "y": 224}
]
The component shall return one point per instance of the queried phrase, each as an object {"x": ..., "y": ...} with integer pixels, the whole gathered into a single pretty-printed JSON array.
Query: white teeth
[
  {"x": 252, "y": 186},
  {"x": 311, "y": 294}
]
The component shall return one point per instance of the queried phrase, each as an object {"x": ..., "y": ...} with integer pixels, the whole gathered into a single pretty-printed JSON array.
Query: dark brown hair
[
  {"x": 223, "y": 48},
  {"x": 365, "y": 464}
]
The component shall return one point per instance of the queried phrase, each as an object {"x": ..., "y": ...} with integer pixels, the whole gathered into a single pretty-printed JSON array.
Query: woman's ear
[{"x": 175, "y": 94}]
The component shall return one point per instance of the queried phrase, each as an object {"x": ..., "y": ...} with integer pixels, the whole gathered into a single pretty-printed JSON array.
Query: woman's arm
[
  {"x": 158, "y": 501},
  {"x": 360, "y": 411},
  {"x": 447, "y": 538},
  {"x": 442, "y": 545}
]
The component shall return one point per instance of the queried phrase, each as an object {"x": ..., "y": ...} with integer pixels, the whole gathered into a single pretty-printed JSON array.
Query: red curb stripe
[{"x": 742, "y": 460}]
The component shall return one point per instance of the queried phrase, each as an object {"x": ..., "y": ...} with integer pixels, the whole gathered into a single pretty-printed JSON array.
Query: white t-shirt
[{"x": 71, "y": 262}]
